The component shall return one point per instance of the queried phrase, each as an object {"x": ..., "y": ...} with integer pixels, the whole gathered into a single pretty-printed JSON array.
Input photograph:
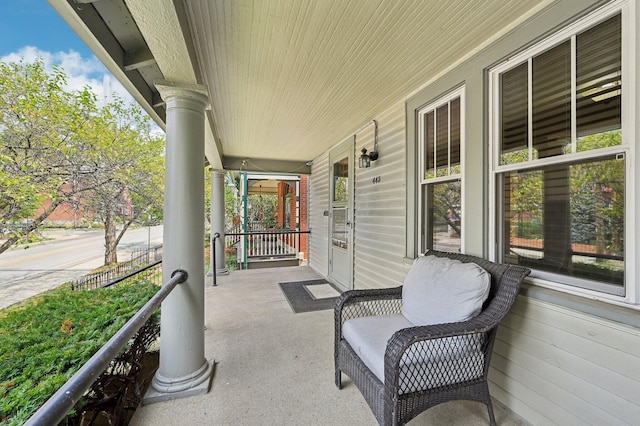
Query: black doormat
[{"x": 301, "y": 298}]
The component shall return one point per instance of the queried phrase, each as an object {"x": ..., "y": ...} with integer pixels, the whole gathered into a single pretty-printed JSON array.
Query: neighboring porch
[{"x": 276, "y": 367}]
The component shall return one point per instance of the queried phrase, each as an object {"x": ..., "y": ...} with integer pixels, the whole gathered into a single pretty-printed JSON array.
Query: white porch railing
[{"x": 264, "y": 244}]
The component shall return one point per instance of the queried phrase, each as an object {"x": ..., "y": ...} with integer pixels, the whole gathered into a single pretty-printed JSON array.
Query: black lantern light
[{"x": 366, "y": 159}]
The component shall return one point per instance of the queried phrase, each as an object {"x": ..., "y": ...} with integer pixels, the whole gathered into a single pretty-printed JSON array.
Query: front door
[{"x": 341, "y": 215}]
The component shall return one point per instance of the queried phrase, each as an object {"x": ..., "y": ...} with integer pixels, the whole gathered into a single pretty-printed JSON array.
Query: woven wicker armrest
[
  {"x": 430, "y": 347},
  {"x": 403, "y": 339},
  {"x": 361, "y": 303}
]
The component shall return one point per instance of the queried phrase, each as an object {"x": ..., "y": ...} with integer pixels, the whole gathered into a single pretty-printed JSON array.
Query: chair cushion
[
  {"x": 430, "y": 364},
  {"x": 440, "y": 290},
  {"x": 368, "y": 337}
]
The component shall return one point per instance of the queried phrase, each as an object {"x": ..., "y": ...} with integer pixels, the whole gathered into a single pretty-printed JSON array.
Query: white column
[
  {"x": 217, "y": 221},
  {"x": 183, "y": 369}
]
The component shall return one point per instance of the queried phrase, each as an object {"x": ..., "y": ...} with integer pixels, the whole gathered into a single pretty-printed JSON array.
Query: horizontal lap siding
[
  {"x": 318, "y": 223},
  {"x": 380, "y": 207},
  {"x": 553, "y": 365},
  {"x": 379, "y": 236}
]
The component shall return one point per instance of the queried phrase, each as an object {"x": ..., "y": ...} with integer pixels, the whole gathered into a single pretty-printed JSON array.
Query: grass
[{"x": 45, "y": 340}]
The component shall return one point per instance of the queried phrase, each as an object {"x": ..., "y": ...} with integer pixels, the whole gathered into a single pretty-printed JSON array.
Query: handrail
[
  {"x": 131, "y": 274},
  {"x": 275, "y": 231},
  {"x": 213, "y": 259},
  {"x": 56, "y": 408},
  {"x": 99, "y": 279}
]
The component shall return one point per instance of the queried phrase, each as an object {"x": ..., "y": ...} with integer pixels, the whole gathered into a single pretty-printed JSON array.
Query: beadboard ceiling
[{"x": 288, "y": 79}]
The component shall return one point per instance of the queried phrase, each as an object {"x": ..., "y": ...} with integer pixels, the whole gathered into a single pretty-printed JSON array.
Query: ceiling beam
[
  {"x": 264, "y": 165},
  {"x": 138, "y": 59}
]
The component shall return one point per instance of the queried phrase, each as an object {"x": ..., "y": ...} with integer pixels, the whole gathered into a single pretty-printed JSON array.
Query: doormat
[{"x": 308, "y": 296}]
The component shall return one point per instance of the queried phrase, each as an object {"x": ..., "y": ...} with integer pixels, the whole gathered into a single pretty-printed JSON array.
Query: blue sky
[
  {"x": 35, "y": 23},
  {"x": 31, "y": 29}
]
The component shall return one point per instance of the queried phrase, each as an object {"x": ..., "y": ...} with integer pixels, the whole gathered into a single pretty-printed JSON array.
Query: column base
[
  {"x": 223, "y": 271},
  {"x": 164, "y": 389}
]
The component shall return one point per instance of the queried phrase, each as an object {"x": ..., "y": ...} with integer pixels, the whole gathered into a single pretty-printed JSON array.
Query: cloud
[{"x": 81, "y": 72}]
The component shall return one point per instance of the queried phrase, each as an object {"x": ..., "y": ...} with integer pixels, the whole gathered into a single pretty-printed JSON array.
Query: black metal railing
[
  {"x": 152, "y": 273},
  {"x": 56, "y": 408},
  {"x": 139, "y": 257}
]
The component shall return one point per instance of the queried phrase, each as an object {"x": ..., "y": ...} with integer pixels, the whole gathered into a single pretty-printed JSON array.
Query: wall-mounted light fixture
[{"x": 366, "y": 159}]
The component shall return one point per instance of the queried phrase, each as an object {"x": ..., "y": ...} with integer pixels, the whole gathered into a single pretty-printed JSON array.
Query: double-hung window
[
  {"x": 441, "y": 136},
  {"x": 561, "y": 156}
]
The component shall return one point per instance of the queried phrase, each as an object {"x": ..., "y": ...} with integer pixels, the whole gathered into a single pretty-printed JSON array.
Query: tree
[
  {"x": 598, "y": 193},
  {"x": 39, "y": 122},
  {"x": 446, "y": 204},
  {"x": 124, "y": 170},
  {"x": 59, "y": 146},
  {"x": 262, "y": 208}
]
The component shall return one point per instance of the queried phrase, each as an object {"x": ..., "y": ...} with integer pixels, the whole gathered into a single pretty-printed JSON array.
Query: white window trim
[
  {"x": 422, "y": 181},
  {"x": 632, "y": 253}
]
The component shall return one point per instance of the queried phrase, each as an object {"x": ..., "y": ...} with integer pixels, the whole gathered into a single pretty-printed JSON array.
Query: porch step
[{"x": 271, "y": 262}]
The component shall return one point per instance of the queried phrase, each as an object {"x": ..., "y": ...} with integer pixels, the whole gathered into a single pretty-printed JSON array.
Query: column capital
[{"x": 169, "y": 90}]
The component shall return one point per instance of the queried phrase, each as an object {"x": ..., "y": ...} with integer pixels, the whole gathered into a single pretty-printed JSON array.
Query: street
[{"x": 70, "y": 255}]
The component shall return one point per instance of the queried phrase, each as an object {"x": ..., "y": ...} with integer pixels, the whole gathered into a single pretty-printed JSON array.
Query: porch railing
[
  {"x": 264, "y": 244},
  {"x": 56, "y": 408}
]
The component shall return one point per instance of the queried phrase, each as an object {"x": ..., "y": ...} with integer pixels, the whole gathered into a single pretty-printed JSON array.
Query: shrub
[
  {"x": 531, "y": 230},
  {"x": 45, "y": 341}
]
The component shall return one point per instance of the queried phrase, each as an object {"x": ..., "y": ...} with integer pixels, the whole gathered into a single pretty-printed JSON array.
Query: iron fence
[{"x": 139, "y": 258}]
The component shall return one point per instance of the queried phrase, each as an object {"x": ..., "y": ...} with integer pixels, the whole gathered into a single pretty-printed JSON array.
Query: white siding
[
  {"x": 554, "y": 365},
  {"x": 551, "y": 364},
  {"x": 318, "y": 223},
  {"x": 380, "y": 207}
]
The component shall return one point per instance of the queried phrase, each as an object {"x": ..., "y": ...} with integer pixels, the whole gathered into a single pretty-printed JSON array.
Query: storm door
[{"x": 341, "y": 215}]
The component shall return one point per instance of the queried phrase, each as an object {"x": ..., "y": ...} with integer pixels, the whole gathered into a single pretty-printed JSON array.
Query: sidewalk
[{"x": 58, "y": 234}]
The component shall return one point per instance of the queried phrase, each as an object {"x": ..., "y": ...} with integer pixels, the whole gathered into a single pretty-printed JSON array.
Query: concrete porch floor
[{"x": 274, "y": 367}]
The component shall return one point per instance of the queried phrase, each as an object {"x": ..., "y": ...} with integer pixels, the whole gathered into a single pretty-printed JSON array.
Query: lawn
[{"x": 45, "y": 340}]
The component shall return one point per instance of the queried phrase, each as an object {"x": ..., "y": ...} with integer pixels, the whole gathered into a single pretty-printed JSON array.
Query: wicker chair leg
[
  {"x": 492, "y": 418},
  {"x": 339, "y": 378}
]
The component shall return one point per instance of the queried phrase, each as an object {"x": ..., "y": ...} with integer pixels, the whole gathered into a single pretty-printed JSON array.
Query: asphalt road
[{"x": 25, "y": 272}]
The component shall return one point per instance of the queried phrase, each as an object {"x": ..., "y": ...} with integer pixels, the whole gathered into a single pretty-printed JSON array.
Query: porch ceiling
[{"x": 288, "y": 79}]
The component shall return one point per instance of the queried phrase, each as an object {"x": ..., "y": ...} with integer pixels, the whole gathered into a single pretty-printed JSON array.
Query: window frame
[
  {"x": 423, "y": 182},
  {"x": 599, "y": 291}
]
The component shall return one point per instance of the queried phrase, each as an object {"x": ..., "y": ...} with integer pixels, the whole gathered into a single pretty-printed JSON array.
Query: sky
[{"x": 31, "y": 29}]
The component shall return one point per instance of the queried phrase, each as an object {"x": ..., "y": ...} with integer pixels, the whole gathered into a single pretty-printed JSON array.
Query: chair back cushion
[{"x": 440, "y": 290}]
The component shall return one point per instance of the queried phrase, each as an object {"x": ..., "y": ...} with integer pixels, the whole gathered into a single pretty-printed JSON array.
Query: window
[
  {"x": 441, "y": 138},
  {"x": 339, "y": 232},
  {"x": 560, "y": 160},
  {"x": 341, "y": 181}
]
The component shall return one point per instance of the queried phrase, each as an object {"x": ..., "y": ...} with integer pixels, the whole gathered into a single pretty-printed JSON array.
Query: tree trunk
[
  {"x": 110, "y": 240},
  {"x": 127, "y": 223}
]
